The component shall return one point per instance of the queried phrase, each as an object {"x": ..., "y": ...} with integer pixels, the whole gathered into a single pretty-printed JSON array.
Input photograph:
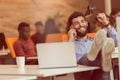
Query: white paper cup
[{"x": 20, "y": 61}]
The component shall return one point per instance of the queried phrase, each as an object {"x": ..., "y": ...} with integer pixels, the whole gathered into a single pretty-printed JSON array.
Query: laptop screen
[{"x": 56, "y": 55}]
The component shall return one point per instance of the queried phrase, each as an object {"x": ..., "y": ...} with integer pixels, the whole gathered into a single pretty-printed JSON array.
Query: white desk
[
  {"x": 33, "y": 70},
  {"x": 4, "y": 77}
]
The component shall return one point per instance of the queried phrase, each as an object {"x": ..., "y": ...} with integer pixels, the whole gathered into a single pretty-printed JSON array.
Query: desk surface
[
  {"x": 33, "y": 70},
  {"x": 4, "y": 77}
]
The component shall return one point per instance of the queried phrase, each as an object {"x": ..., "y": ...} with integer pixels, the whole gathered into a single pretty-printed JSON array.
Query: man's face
[
  {"x": 25, "y": 33},
  {"x": 81, "y": 25},
  {"x": 40, "y": 29}
]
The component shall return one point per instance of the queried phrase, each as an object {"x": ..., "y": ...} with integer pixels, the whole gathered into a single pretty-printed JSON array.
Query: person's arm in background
[{"x": 102, "y": 18}]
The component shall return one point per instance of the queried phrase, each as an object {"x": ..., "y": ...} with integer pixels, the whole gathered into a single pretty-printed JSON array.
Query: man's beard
[{"x": 79, "y": 34}]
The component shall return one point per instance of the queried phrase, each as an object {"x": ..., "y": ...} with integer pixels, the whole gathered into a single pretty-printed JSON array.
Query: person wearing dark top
[
  {"x": 38, "y": 36},
  {"x": 24, "y": 46}
]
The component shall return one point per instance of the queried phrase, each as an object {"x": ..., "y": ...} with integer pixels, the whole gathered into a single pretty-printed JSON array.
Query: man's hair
[
  {"x": 115, "y": 11},
  {"x": 22, "y": 25},
  {"x": 73, "y": 15},
  {"x": 38, "y": 23}
]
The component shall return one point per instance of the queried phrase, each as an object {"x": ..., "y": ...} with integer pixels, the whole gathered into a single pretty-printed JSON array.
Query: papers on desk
[
  {"x": 4, "y": 52},
  {"x": 115, "y": 54},
  {"x": 116, "y": 50}
]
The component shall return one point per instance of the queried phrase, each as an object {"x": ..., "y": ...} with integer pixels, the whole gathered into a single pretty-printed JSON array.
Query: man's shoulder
[{"x": 18, "y": 41}]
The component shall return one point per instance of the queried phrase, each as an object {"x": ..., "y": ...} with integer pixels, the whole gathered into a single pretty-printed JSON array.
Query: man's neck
[
  {"x": 82, "y": 38},
  {"x": 23, "y": 38}
]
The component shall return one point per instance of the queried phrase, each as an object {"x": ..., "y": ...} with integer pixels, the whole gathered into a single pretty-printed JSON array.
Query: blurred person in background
[
  {"x": 24, "y": 46},
  {"x": 38, "y": 36}
]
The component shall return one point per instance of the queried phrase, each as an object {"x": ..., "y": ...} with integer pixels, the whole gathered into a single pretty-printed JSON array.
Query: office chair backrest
[
  {"x": 91, "y": 34},
  {"x": 10, "y": 43},
  {"x": 60, "y": 37},
  {"x": 57, "y": 37}
]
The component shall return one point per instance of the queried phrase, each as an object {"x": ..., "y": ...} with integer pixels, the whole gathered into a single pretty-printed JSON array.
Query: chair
[
  {"x": 60, "y": 37},
  {"x": 57, "y": 37},
  {"x": 64, "y": 37},
  {"x": 10, "y": 43}
]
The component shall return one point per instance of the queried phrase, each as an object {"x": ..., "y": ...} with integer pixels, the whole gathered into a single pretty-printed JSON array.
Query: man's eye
[{"x": 76, "y": 23}]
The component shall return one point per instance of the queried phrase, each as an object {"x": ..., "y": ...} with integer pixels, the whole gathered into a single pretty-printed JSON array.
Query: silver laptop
[{"x": 56, "y": 55}]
